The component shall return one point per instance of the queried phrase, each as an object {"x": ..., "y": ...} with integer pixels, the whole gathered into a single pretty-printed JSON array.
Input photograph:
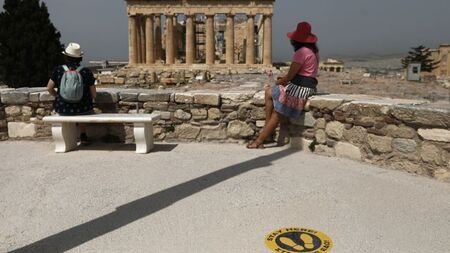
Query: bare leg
[
  {"x": 268, "y": 103},
  {"x": 268, "y": 130}
]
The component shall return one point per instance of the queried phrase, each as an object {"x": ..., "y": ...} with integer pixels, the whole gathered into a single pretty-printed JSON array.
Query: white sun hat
[{"x": 73, "y": 50}]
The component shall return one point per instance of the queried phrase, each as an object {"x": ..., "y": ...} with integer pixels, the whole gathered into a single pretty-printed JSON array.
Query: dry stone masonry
[{"x": 407, "y": 135}]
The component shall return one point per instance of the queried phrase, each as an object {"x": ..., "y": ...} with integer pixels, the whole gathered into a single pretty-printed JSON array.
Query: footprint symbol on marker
[
  {"x": 307, "y": 240},
  {"x": 289, "y": 242}
]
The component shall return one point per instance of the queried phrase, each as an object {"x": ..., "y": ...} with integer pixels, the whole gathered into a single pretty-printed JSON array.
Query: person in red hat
[{"x": 288, "y": 97}]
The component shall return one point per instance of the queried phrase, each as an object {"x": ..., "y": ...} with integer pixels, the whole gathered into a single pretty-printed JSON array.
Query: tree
[
  {"x": 420, "y": 55},
  {"x": 29, "y": 44}
]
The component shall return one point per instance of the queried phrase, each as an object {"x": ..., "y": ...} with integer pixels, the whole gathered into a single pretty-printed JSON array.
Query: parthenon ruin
[{"x": 199, "y": 32}]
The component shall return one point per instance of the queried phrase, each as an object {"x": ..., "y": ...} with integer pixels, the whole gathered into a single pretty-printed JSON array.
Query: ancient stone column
[
  {"x": 230, "y": 39},
  {"x": 267, "y": 50},
  {"x": 158, "y": 37},
  {"x": 210, "y": 54},
  {"x": 149, "y": 39},
  {"x": 142, "y": 39},
  {"x": 138, "y": 39},
  {"x": 250, "y": 50},
  {"x": 169, "y": 40},
  {"x": 132, "y": 44},
  {"x": 175, "y": 37},
  {"x": 190, "y": 50}
]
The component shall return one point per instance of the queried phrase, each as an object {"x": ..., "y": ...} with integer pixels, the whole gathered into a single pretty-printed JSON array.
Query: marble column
[
  {"x": 132, "y": 43},
  {"x": 142, "y": 39},
  {"x": 267, "y": 58},
  {"x": 158, "y": 38},
  {"x": 138, "y": 39},
  {"x": 190, "y": 33},
  {"x": 175, "y": 37},
  {"x": 149, "y": 39},
  {"x": 210, "y": 54},
  {"x": 250, "y": 50},
  {"x": 230, "y": 39},
  {"x": 169, "y": 40}
]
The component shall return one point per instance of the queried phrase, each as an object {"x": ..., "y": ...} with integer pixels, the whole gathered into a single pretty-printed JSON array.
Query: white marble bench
[{"x": 64, "y": 128}]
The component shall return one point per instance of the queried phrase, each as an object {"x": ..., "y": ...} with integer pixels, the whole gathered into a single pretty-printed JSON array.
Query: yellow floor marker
[{"x": 291, "y": 240}]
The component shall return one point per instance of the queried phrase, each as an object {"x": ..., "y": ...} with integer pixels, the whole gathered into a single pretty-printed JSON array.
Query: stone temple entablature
[{"x": 202, "y": 33}]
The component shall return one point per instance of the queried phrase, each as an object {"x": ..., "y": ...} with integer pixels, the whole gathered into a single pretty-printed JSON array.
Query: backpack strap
[
  {"x": 65, "y": 67},
  {"x": 79, "y": 68}
]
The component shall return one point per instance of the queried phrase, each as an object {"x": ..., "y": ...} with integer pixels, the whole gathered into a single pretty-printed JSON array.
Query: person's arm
[
  {"x": 51, "y": 87},
  {"x": 295, "y": 67}
]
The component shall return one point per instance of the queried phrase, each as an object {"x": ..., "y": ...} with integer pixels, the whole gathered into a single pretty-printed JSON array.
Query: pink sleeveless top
[{"x": 308, "y": 60}]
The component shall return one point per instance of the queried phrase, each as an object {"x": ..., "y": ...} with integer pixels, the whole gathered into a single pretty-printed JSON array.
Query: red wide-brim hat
[{"x": 303, "y": 34}]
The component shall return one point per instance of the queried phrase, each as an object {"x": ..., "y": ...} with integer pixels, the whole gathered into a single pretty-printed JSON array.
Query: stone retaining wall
[{"x": 403, "y": 134}]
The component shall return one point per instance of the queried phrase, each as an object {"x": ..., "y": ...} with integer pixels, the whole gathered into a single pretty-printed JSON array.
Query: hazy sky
[{"x": 344, "y": 27}]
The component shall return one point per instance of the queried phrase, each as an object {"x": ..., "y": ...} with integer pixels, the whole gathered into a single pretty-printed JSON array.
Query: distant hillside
[{"x": 373, "y": 61}]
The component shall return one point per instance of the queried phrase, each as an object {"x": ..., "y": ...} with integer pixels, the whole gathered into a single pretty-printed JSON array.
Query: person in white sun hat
[{"x": 73, "y": 87}]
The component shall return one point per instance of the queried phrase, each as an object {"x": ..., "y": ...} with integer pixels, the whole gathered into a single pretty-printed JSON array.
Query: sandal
[{"x": 255, "y": 145}]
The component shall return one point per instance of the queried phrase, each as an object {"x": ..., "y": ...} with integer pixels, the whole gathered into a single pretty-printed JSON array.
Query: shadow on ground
[
  {"x": 138, "y": 209},
  {"x": 97, "y": 146}
]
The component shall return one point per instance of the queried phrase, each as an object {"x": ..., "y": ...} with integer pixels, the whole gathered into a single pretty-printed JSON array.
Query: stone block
[
  {"x": 406, "y": 146},
  {"x": 3, "y": 123},
  {"x": 158, "y": 106},
  {"x": 356, "y": 134},
  {"x": 248, "y": 111},
  {"x": 119, "y": 80},
  {"x": 259, "y": 98},
  {"x": 320, "y": 136},
  {"x": 237, "y": 129},
  {"x": 184, "y": 98},
  {"x": 207, "y": 99},
  {"x": 218, "y": 132},
  {"x": 106, "y": 79},
  {"x": 182, "y": 115},
  {"x": 400, "y": 132},
  {"x": 380, "y": 144},
  {"x": 324, "y": 102},
  {"x": 320, "y": 123},
  {"x": 236, "y": 97},
  {"x": 423, "y": 116},
  {"x": 128, "y": 96},
  {"x": 214, "y": 114},
  {"x": 34, "y": 97},
  {"x": 199, "y": 114},
  {"x": 15, "y": 97},
  {"x": 432, "y": 154},
  {"x": 155, "y": 97},
  {"x": 166, "y": 115},
  {"x": 441, "y": 135},
  {"x": 260, "y": 123},
  {"x": 21, "y": 130},
  {"x": 335, "y": 130},
  {"x": 13, "y": 111},
  {"x": 347, "y": 150},
  {"x": 27, "y": 111},
  {"x": 46, "y": 97},
  {"x": 106, "y": 97},
  {"x": 187, "y": 131}
]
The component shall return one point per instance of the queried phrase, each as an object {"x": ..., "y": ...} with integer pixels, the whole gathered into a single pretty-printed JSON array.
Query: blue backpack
[{"x": 71, "y": 87}]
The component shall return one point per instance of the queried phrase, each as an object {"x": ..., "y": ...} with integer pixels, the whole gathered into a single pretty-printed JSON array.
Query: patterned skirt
[{"x": 290, "y": 100}]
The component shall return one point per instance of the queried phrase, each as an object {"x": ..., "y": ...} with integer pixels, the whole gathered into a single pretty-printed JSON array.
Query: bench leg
[
  {"x": 65, "y": 136},
  {"x": 143, "y": 135}
]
